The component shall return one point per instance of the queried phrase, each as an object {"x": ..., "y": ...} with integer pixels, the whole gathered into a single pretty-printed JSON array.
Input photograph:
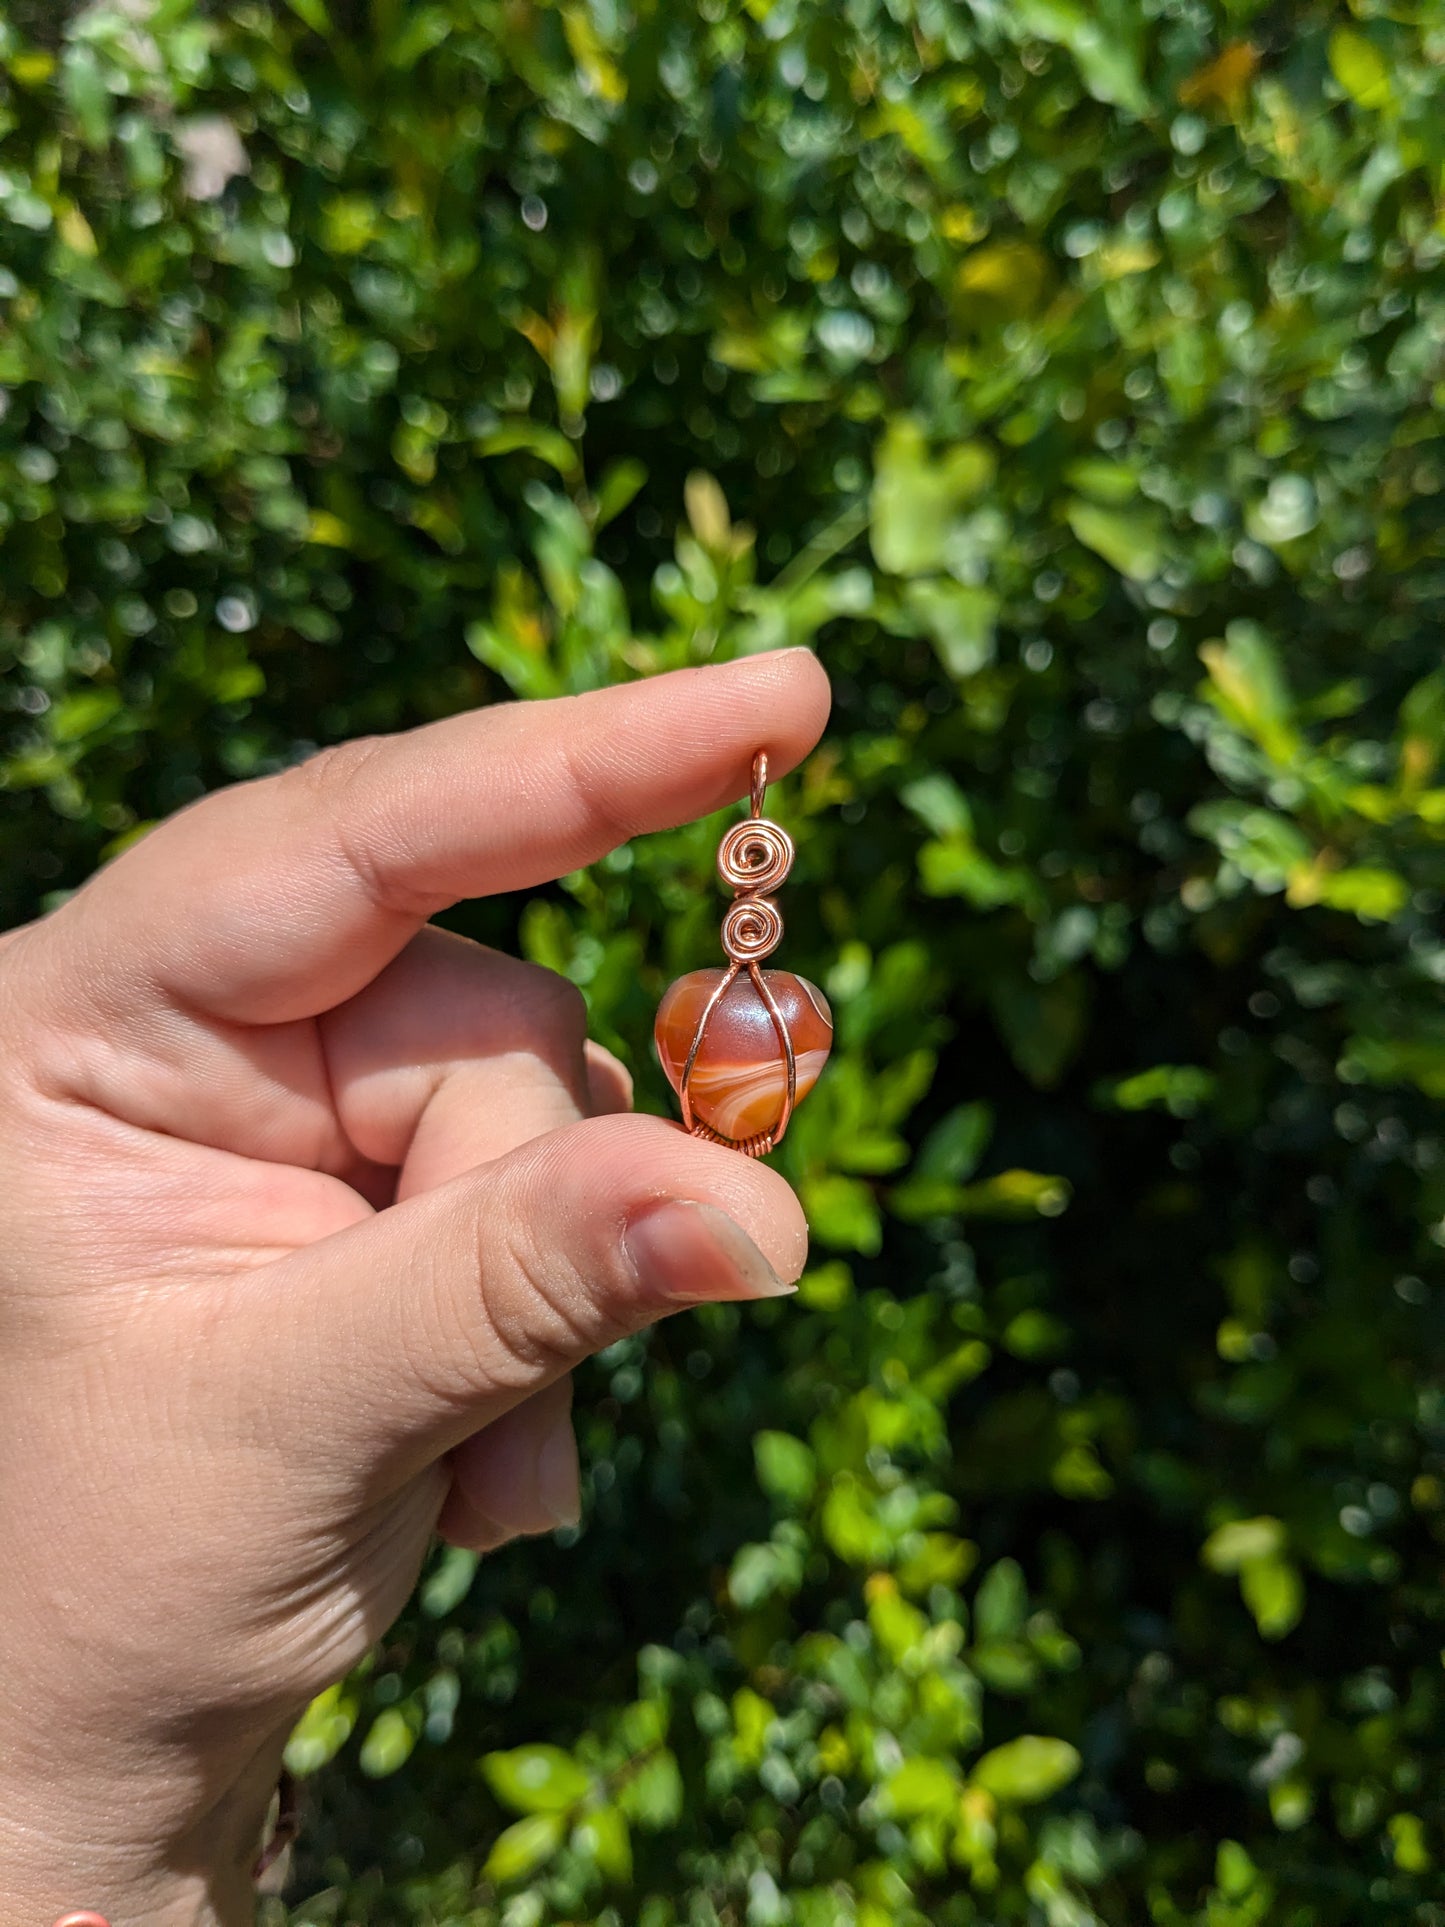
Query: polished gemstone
[{"x": 739, "y": 1077}]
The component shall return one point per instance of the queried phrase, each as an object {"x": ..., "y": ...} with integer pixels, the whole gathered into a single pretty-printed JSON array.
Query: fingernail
[
  {"x": 558, "y": 1492},
  {"x": 694, "y": 1254}
]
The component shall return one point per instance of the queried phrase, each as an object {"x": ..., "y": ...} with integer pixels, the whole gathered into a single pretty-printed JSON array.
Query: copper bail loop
[{"x": 762, "y": 855}]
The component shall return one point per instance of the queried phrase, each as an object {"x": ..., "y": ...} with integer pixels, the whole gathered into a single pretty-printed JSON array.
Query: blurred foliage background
[{"x": 1069, "y": 373}]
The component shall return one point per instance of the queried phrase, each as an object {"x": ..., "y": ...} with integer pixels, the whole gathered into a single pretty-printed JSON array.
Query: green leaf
[
  {"x": 1375, "y": 896},
  {"x": 1235, "y": 1874},
  {"x": 1000, "y": 281},
  {"x": 1103, "y": 42},
  {"x": 921, "y": 1787},
  {"x": 652, "y": 1795},
  {"x": 1016, "y": 1194},
  {"x": 938, "y": 1559},
  {"x": 898, "y": 1625},
  {"x": 388, "y": 1745},
  {"x": 898, "y": 1086},
  {"x": 1234, "y": 1545},
  {"x": 1001, "y": 1601},
  {"x": 75, "y": 717},
  {"x": 1291, "y": 1803},
  {"x": 604, "y": 1838},
  {"x": 771, "y": 1569},
  {"x": 1248, "y": 685},
  {"x": 535, "y": 438},
  {"x": 1102, "y": 480},
  {"x": 1413, "y": 1054},
  {"x": 953, "y": 867},
  {"x": 1027, "y": 1770},
  {"x": 1034, "y": 1334},
  {"x": 959, "y": 618},
  {"x": 524, "y": 668},
  {"x": 643, "y": 1725},
  {"x": 1288, "y": 510},
  {"x": 1007, "y": 1666},
  {"x": 1180, "y": 1089},
  {"x": 423, "y": 29},
  {"x": 917, "y": 497},
  {"x": 1408, "y": 1846},
  {"x": 1042, "y": 1024},
  {"x": 843, "y": 1212},
  {"x": 1361, "y": 69},
  {"x": 1265, "y": 847},
  {"x": 1128, "y": 539},
  {"x": 787, "y": 1470},
  {"x": 960, "y": 1366},
  {"x": 1422, "y": 736},
  {"x": 524, "y": 1847},
  {"x": 536, "y": 1779},
  {"x": 446, "y": 1587},
  {"x": 313, "y": 14},
  {"x": 87, "y": 94},
  {"x": 953, "y": 1147},
  {"x": 617, "y": 489},
  {"x": 323, "y": 1729},
  {"x": 1274, "y": 1593},
  {"x": 851, "y": 1526},
  {"x": 753, "y": 1721},
  {"x": 826, "y": 1287},
  {"x": 940, "y": 804}
]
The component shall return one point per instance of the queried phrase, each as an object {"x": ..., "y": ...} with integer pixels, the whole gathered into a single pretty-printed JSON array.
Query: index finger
[{"x": 278, "y": 898}]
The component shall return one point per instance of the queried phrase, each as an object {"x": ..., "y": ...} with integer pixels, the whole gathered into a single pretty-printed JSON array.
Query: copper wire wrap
[
  {"x": 752, "y": 929},
  {"x": 754, "y": 857},
  {"x": 756, "y": 1146}
]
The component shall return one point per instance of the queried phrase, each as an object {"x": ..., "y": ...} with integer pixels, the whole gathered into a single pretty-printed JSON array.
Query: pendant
[{"x": 744, "y": 1045}]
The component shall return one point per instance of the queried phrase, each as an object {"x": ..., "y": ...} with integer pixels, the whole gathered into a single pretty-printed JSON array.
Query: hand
[{"x": 307, "y": 1211}]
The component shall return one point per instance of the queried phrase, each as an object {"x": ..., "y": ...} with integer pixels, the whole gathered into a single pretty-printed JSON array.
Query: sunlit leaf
[
  {"x": 523, "y": 1847},
  {"x": 1026, "y": 1770},
  {"x": 787, "y": 1469},
  {"x": 1128, "y": 539},
  {"x": 1360, "y": 68},
  {"x": 536, "y": 1779}
]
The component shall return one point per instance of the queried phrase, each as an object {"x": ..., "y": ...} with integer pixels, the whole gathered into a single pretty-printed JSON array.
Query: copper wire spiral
[
  {"x": 752, "y": 929},
  {"x": 755, "y": 856}
]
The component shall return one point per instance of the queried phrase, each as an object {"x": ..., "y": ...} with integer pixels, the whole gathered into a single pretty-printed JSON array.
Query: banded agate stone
[{"x": 739, "y": 1079}]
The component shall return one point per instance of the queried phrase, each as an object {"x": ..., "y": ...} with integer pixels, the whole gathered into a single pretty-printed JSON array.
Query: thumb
[{"x": 438, "y": 1315}]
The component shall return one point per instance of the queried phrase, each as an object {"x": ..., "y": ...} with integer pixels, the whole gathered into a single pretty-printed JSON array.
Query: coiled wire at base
[{"x": 756, "y": 1146}]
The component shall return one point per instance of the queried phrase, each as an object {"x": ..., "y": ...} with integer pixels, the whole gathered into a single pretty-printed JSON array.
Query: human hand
[{"x": 307, "y": 1211}]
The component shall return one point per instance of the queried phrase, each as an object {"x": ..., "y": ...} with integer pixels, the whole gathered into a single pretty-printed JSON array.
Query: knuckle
[
  {"x": 545, "y": 1317},
  {"x": 337, "y": 784},
  {"x": 332, "y": 772},
  {"x": 592, "y": 792},
  {"x": 547, "y": 1012},
  {"x": 559, "y": 1001}
]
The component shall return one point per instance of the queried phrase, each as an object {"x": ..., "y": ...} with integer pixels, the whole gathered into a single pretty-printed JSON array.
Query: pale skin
[{"x": 306, "y": 1211}]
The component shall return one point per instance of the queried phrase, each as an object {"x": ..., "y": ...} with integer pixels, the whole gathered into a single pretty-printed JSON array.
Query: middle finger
[{"x": 455, "y": 1055}]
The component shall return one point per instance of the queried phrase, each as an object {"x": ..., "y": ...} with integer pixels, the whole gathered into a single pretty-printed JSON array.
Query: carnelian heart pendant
[
  {"x": 739, "y": 1079},
  {"x": 742, "y": 1046}
]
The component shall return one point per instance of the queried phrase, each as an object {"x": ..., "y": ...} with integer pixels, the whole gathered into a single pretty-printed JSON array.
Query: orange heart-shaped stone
[{"x": 739, "y": 1077}]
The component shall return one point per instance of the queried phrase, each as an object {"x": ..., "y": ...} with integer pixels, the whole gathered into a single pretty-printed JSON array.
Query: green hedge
[{"x": 1069, "y": 374}]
